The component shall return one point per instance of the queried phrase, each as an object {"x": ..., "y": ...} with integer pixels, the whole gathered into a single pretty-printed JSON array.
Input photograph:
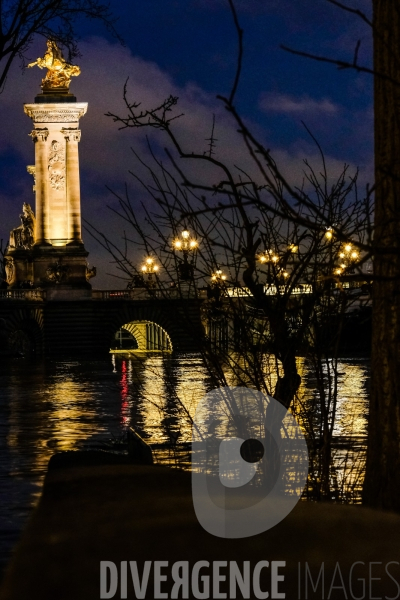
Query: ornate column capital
[
  {"x": 39, "y": 135},
  {"x": 71, "y": 135},
  {"x": 56, "y": 113}
]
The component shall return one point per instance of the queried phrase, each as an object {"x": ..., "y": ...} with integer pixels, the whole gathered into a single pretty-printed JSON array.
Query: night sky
[{"x": 188, "y": 48}]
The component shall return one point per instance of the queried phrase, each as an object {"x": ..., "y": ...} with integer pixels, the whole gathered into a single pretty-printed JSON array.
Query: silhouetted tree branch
[
  {"x": 240, "y": 218},
  {"x": 382, "y": 482}
]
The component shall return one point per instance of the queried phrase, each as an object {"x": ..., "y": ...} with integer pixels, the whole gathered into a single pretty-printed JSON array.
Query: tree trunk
[{"x": 382, "y": 482}]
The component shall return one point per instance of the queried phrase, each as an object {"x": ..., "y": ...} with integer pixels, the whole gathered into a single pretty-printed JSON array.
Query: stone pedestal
[{"x": 46, "y": 266}]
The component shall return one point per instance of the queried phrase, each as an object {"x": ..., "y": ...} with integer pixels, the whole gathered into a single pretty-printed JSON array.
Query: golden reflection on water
[
  {"x": 154, "y": 391},
  {"x": 60, "y": 415},
  {"x": 155, "y": 394},
  {"x": 352, "y": 396},
  {"x": 171, "y": 389},
  {"x": 350, "y": 424},
  {"x": 163, "y": 392},
  {"x": 352, "y": 407},
  {"x": 163, "y": 387},
  {"x": 54, "y": 406}
]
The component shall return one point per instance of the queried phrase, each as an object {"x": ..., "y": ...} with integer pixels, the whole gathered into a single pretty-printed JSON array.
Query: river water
[{"x": 47, "y": 406}]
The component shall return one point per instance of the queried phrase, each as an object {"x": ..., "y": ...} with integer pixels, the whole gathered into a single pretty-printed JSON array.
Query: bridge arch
[
  {"x": 22, "y": 332},
  {"x": 141, "y": 313},
  {"x": 142, "y": 336}
]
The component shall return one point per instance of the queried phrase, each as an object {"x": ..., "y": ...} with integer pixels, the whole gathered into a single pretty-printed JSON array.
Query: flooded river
[{"x": 47, "y": 406}]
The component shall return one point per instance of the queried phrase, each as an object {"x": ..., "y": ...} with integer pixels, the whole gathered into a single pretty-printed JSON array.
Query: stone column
[
  {"x": 72, "y": 137},
  {"x": 39, "y": 136}
]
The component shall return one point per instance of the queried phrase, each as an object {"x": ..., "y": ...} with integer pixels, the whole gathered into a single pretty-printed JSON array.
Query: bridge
[
  {"x": 57, "y": 322},
  {"x": 131, "y": 320}
]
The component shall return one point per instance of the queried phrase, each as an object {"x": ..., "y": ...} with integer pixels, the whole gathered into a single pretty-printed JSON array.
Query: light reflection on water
[
  {"x": 352, "y": 410},
  {"x": 159, "y": 394},
  {"x": 51, "y": 406},
  {"x": 352, "y": 394}
]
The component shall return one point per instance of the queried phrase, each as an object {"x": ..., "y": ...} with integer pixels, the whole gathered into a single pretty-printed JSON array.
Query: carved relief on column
[
  {"x": 56, "y": 166},
  {"x": 57, "y": 272},
  {"x": 72, "y": 137},
  {"x": 9, "y": 268}
]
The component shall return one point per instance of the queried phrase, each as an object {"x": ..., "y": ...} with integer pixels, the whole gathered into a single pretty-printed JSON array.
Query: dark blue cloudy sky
[{"x": 188, "y": 48}]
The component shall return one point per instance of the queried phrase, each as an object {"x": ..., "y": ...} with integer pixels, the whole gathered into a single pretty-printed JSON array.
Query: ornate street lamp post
[
  {"x": 218, "y": 277},
  {"x": 348, "y": 256},
  {"x": 268, "y": 256},
  {"x": 277, "y": 263},
  {"x": 150, "y": 268},
  {"x": 270, "y": 259},
  {"x": 185, "y": 244},
  {"x": 216, "y": 286}
]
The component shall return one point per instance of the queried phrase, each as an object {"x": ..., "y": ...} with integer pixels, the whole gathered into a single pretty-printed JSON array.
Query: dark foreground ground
[{"x": 145, "y": 513}]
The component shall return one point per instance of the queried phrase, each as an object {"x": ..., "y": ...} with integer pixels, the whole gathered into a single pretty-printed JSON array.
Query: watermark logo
[{"x": 249, "y": 462}]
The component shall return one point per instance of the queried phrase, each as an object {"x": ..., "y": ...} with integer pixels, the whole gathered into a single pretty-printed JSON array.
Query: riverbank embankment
[{"x": 139, "y": 513}]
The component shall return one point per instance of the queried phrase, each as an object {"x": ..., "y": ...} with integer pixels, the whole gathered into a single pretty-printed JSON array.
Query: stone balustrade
[{"x": 39, "y": 295}]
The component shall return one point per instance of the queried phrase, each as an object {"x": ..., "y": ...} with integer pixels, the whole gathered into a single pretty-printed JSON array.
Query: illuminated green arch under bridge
[{"x": 141, "y": 336}]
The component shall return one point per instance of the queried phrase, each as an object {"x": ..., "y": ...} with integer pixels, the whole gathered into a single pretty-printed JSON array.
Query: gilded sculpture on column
[{"x": 58, "y": 76}]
